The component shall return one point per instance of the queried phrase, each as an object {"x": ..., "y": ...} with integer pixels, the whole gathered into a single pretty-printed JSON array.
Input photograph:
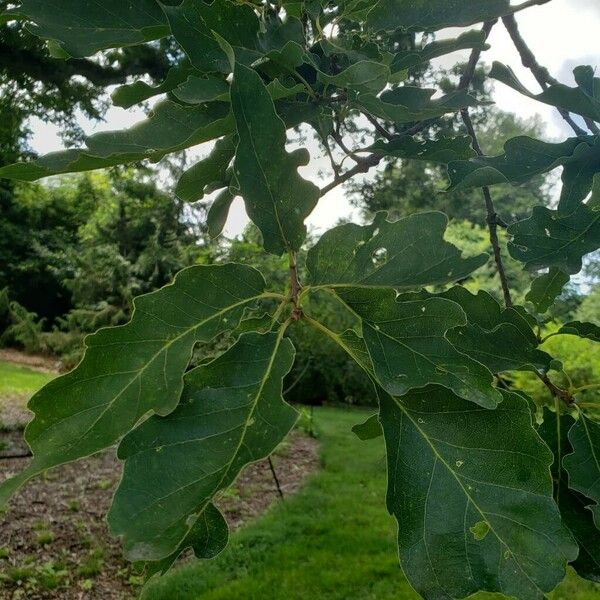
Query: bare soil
[
  {"x": 36, "y": 362},
  {"x": 54, "y": 541}
]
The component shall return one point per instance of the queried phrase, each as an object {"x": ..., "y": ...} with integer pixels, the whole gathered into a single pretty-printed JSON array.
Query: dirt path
[
  {"x": 36, "y": 362},
  {"x": 54, "y": 541}
]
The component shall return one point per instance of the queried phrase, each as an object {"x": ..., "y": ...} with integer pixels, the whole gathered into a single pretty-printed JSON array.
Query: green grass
[
  {"x": 18, "y": 380},
  {"x": 332, "y": 541}
]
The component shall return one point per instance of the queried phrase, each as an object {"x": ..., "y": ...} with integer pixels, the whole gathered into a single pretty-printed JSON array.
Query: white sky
[{"x": 562, "y": 34}]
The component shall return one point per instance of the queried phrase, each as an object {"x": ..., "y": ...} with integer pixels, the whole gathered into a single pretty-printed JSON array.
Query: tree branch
[
  {"x": 492, "y": 217},
  {"x": 372, "y": 160},
  {"x": 529, "y": 61}
]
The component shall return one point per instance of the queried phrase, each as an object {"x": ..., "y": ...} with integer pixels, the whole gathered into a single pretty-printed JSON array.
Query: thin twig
[
  {"x": 541, "y": 74},
  {"x": 557, "y": 392},
  {"x": 363, "y": 167},
  {"x": 295, "y": 287},
  {"x": 366, "y": 164},
  {"x": 379, "y": 127},
  {"x": 275, "y": 478},
  {"x": 469, "y": 72},
  {"x": 492, "y": 217}
]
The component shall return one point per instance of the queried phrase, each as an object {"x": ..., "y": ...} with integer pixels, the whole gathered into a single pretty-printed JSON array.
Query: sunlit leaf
[{"x": 364, "y": 76}]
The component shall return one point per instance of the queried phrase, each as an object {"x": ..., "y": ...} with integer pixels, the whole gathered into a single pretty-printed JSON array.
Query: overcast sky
[{"x": 562, "y": 34}]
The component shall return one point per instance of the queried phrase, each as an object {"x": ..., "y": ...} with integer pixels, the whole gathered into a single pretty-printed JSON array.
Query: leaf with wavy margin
[{"x": 232, "y": 413}]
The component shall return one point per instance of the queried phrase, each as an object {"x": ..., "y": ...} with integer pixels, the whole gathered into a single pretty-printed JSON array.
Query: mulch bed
[{"x": 54, "y": 541}]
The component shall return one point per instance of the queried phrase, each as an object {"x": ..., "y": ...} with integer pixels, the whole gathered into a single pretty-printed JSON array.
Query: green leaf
[
  {"x": 551, "y": 239},
  {"x": 218, "y": 213},
  {"x": 127, "y": 96},
  {"x": 193, "y": 24},
  {"x": 443, "y": 150},
  {"x": 408, "y": 346},
  {"x": 130, "y": 371},
  {"x": 501, "y": 339},
  {"x": 228, "y": 417},
  {"x": 406, "y": 59},
  {"x": 363, "y": 77},
  {"x": 368, "y": 430},
  {"x": 207, "y": 537},
  {"x": 525, "y": 157},
  {"x": 583, "y": 465},
  {"x": 407, "y": 104},
  {"x": 198, "y": 90},
  {"x": 573, "y": 510},
  {"x": 430, "y": 15},
  {"x": 209, "y": 172},
  {"x": 169, "y": 127},
  {"x": 590, "y": 331},
  {"x": 577, "y": 100},
  {"x": 472, "y": 493},
  {"x": 408, "y": 253},
  {"x": 546, "y": 288},
  {"x": 578, "y": 519},
  {"x": 84, "y": 28},
  {"x": 277, "y": 199}
]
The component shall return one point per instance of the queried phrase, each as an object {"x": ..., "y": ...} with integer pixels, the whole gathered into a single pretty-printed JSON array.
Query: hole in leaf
[
  {"x": 379, "y": 257},
  {"x": 480, "y": 530}
]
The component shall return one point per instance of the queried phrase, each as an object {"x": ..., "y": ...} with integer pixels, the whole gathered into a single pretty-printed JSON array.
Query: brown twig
[
  {"x": 372, "y": 160},
  {"x": 275, "y": 478},
  {"x": 556, "y": 391},
  {"x": 379, "y": 127},
  {"x": 295, "y": 288},
  {"x": 492, "y": 216},
  {"x": 541, "y": 74}
]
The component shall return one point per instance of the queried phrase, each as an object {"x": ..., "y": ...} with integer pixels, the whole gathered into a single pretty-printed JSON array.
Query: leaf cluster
[{"x": 469, "y": 477}]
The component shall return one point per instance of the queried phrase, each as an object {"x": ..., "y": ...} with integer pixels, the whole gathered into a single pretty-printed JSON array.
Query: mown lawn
[
  {"x": 332, "y": 541},
  {"x": 16, "y": 380}
]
